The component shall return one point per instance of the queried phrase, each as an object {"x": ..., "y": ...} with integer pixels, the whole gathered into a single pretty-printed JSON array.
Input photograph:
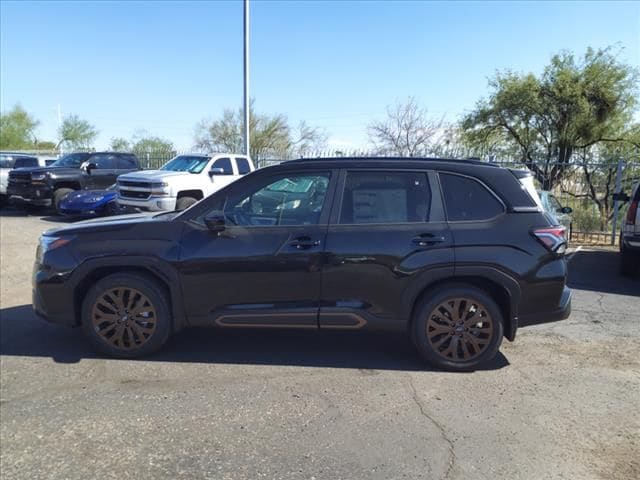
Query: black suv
[
  {"x": 456, "y": 253},
  {"x": 46, "y": 186}
]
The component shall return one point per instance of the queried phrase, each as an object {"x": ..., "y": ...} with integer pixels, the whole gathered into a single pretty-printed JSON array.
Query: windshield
[
  {"x": 186, "y": 163},
  {"x": 13, "y": 161},
  {"x": 73, "y": 160}
]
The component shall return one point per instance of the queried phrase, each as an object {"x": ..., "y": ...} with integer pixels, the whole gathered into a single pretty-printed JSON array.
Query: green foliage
[
  {"x": 270, "y": 135},
  {"x": 76, "y": 133},
  {"x": 544, "y": 120},
  {"x": 17, "y": 129},
  {"x": 119, "y": 144},
  {"x": 152, "y": 144}
]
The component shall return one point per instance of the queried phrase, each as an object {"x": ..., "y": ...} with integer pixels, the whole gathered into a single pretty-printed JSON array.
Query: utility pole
[{"x": 245, "y": 109}]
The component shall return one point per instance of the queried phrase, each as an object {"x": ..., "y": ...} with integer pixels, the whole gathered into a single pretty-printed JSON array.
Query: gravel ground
[{"x": 563, "y": 401}]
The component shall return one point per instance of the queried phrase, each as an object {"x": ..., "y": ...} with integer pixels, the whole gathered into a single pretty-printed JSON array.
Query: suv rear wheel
[
  {"x": 126, "y": 316},
  {"x": 457, "y": 327}
]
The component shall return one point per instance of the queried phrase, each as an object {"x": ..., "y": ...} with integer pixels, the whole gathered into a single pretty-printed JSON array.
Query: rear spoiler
[{"x": 521, "y": 173}]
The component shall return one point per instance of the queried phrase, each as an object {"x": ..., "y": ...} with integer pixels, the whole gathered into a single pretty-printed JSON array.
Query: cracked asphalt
[{"x": 561, "y": 402}]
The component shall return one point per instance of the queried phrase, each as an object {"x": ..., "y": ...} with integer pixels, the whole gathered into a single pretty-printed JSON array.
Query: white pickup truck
[{"x": 182, "y": 181}]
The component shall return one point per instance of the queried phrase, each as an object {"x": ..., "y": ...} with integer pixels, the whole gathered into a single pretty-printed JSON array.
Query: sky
[{"x": 163, "y": 66}]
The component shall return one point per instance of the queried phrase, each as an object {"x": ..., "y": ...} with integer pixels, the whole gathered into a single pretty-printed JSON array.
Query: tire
[
  {"x": 629, "y": 262},
  {"x": 121, "y": 334},
  {"x": 184, "y": 202},
  {"x": 58, "y": 195},
  {"x": 111, "y": 209},
  {"x": 474, "y": 344},
  {"x": 3, "y": 200}
]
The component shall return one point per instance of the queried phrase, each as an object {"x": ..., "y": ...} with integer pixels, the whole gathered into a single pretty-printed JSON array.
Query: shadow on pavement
[
  {"x": 23, "y": 334},
  {"x": 600, "y": 271}
]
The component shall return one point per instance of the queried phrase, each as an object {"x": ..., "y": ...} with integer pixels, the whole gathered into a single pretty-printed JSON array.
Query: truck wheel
[
  {"x": 58, "y": 195},
  {"x": 126, "y": 315},
  {"x": 184, "y": 202},
  {"x": 458, "y": 327}
]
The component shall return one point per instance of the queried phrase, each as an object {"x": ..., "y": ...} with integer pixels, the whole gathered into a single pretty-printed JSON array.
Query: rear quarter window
[{"x": 466, "y": 199}]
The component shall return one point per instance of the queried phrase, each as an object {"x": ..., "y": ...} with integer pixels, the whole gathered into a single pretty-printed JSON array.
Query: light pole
[{"x": 246, "y": 78}]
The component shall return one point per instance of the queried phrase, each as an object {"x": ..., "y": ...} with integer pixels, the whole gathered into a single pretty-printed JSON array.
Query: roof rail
[{"x": 472, "y": 161}]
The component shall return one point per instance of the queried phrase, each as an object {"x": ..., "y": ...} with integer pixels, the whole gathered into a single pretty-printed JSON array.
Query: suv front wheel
[
  {"x": 457, "y": 327},
  {"x": 126, "y": 316}
]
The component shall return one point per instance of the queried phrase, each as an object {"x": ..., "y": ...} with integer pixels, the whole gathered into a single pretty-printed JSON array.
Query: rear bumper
[
  {"x": 562, "y": 312},
  {"x": 631, "y": 242}
]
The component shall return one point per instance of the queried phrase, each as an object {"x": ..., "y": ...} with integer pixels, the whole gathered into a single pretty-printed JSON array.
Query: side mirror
[
  {"x": 216, "y": 171},
  {"x": 566, "y": 210},
  {"x": 87, "y": 167},
  {"x": 621, "y": 197},
  {"x": 215, "y": 222}
]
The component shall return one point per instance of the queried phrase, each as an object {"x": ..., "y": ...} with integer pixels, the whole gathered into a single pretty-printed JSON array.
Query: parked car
[
  {"x": 182, "y": 181},
  {"x": 10, "y": 161},
  {"x": 457, "y": 254},
  {"x": 553, "y": 207},
  {"x": 77, "y": 171},
  {"x": 92, "y": 203},
  {"x": 630, "y": 234}
]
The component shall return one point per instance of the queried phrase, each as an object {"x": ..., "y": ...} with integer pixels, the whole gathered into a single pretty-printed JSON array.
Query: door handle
[
  {"x": 304, "y": 243},
  {"x": 426, "y": 239}
]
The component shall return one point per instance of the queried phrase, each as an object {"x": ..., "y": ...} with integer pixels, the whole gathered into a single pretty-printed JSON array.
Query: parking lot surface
[{"x": 562, "y": 401}]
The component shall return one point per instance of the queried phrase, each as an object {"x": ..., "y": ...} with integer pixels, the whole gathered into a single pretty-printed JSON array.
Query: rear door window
[
  {"x": 243, "y": 165},
  {"x": 385, "y": 198},
  {"x": 225, "y": 165},
  {"x": 466, "y": 199}
]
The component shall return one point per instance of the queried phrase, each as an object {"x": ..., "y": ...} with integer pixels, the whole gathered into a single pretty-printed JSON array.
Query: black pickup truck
[{"x": 45, "y": 186}]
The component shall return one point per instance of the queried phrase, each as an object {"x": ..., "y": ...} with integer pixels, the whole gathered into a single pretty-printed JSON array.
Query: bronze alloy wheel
[
  {"x": 124, "y": 318},
  {"x": 459, "y": 329}
]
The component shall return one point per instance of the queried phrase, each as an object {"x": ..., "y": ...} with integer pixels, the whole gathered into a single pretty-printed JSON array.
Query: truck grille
[
  {"x": 19, "y": 177},
  {"x": 128, "y": 183},
  {"x": 134, "y": 194}
]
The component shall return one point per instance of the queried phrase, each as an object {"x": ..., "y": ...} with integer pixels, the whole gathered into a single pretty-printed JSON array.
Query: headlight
[
  {"x": 38, "y": 177},
  {"x": 93, "y": 198},
  {"x": 160, "y": 188},
  {"x": 48, "y": 243}
]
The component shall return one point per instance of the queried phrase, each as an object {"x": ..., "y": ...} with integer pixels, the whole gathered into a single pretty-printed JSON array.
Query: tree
[
  {"x": 120, "y": 144},
  {"x": 271, "y": 135},
  {"x": 407, "y": 130},
  {"x": 143, "y": 142},
  {"x": 571, "y": 106},
  {"x": 76, "y": 133},
  {"x": 17, "y": 129}
]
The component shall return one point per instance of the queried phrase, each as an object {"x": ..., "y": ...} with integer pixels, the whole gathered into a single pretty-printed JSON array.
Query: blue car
[{"x": 92, "y": 203}]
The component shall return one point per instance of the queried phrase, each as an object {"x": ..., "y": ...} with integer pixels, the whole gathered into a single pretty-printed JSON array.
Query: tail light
[
  {"x": 632, "y": 212},
  {"x": 553, "y": 238}
]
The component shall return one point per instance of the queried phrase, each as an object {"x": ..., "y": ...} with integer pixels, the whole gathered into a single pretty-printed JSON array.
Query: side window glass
[
  {"x": 128, "y": 162},
  {"x": 385, "y": 197},
  {"x": 243, "y": 165},
  {"x": 294, "y": 199},
  {"x": 104, "y": 161},
  {"x": 224, "y": 164},
  {"x": 467, "y": 199}
]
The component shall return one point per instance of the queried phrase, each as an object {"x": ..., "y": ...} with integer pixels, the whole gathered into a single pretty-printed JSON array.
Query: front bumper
[
  {"x": 29, "y": 194},
  {"x": 562, "y": 312},
  {"x": 151, "y": 204}
]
